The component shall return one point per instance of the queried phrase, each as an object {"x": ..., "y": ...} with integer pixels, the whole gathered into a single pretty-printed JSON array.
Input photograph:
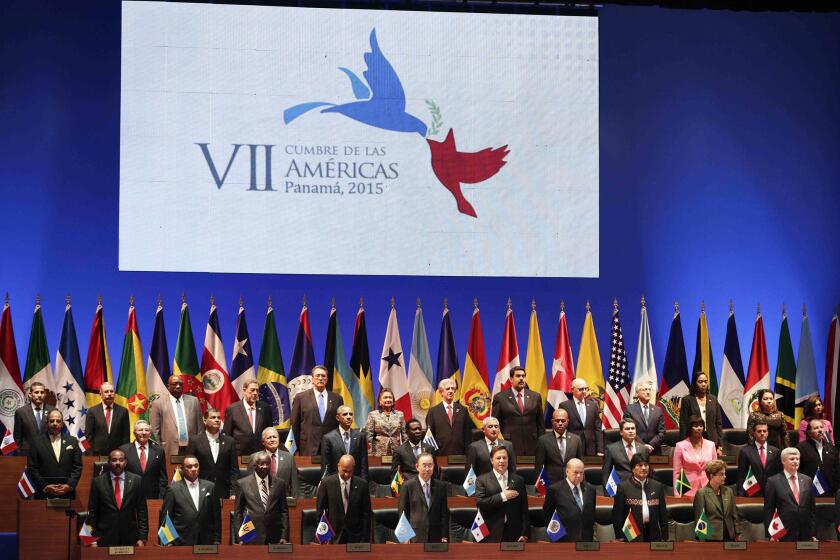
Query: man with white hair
[
  {"x": 585, "y": 418},
  {"x": 478, "y": 452},
  {"x": 789, "y": 494},
  {"x": 282, "y": 463},
  {"x": 450, "y": 421},
  {"x": 146, "y": 459},
  {"x": 650, "y": 423},
  {"x": 106, "y": 424}
]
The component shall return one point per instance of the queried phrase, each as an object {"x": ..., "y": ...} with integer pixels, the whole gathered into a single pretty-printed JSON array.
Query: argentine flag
[{"x": 611, "y": 486}]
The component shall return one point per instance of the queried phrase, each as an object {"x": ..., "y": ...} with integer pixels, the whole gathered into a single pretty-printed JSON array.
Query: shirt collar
[
  {"x": 137, "y": 445},
  {"x": 490, "y": 443},
  {"x": 343, "y": 431},
  {"x": 571, "y": 486},
  {"x": 212, "y": 437},
  {"x": 113, "y": 476}
]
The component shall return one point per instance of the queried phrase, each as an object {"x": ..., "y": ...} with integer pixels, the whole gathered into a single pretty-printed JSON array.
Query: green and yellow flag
[
  {"x": 131, "y": 383},
  {"x": 682, "y": 485},
  {"x": 185, "y": 362}
]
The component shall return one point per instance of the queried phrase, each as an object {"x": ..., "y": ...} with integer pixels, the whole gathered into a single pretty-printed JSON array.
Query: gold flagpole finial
[
  {"x": 509, "y": 303},
  {"x": 588, "y": 307},
  {"x": 615, "y": 304},
  {"x": 533, "y": 305},
  {"x": 562, "y": 306},
  {"x": 393, "y": 302},
  {"x": 67, "y": 299}
]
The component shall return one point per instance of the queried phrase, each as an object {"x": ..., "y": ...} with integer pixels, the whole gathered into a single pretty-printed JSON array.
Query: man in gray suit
[
  {"x": 650, "y": 424},
  {"x": 619, "y": 453},
  {"x": 263, "y": 498},
  {"x": 478, "y": 452},
  {"x": 556, "y": 449},
  {"x": 194, "y": 510},
  {"x": 175, "y": 418},
  {"x": 314, "y": 413},
  {"x": 423, "y": 501}
]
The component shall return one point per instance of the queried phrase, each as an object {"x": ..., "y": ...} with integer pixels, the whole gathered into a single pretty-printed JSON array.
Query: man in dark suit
[
  {"x": 652, "y": 520},
  {"x": 750, "y": 458},
  {"x": 55, "y": 460},
  {"x": 618, "y": 454},
  {"x": 520, "y": 414},
  {"x": 816, "y": 452},
  {"x": 345, "y": 440},
  {"x": 585, "y": 418},
  {"x": 216, "y": 454},
  {"x": 282, "y": 463},
  {"x": 31, "y": 418},
  {"x": 147, "y": 460},
  {"x": 346, "y": 501},
  {"x": 118, "y": 523},
  {"x": 449, "y": 421},
  {"x": 405, "y": 456},
  {"x": 574, "y": 501},
  {"x": 650, "y": 423},
  {"x": 314, "y": 413},
  {"x": 194, "y": 510},
  {"x": 789, "y": 494},
  {"x": 556, "y": 448},
  {"x": 501, "y": 499},
  {"x": 423, "y": 501},
  {"x": 264, "y": 500},
  {"x": 245, "y": 420},
  {"x": 106, "y": 424},
  {"x": 478, "y": 452}
]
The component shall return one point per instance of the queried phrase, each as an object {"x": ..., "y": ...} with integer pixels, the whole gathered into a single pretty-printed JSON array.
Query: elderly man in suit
[
  {"x": 147, "y": 460},
  {"x": 478, "y": 452},
  {"x": 282, "y": 463},
  {"x": 501, "y": 499},
  {"x": 423, "y": 501},
  {"x": 55, "y": 460},
  {"x": 650, "y": 423},
  {"x": 175, "y": 418},
  {"x": 618, "y": 454},
  {"x": 314, "y": 413},
  {"x": 585, "y": 418},
  {"x": 194, "y": 510},
  {"x": 117, "y": 511},
  {"x": 216, "y": 454},
  {"x": 573, "y": 499},
  {"x": 106, "y": 424},
  {"x": 556, "y": 448},
  {"x": 759, "y": 457},
  {"x": 450, "y": 421},
  {"x": 789, "y": 494},
  {"x": 263, "y": 498},
  {"x": 246, "y": 419},
  {"x": 817, "y": 453},
  {"x": 520, "y": 414},
  {"x": 31, "y": 418},
  {"x": 405, "y": 456},
  {"x": 345, "y": 500},
  {"x": 345, "y": 440}
]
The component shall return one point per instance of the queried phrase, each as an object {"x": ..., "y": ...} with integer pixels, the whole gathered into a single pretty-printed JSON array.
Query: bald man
[
  {"x": 585, "y": 418},
  {"x": 345, "y": 500},
  {"x": 106, "y": 424}
]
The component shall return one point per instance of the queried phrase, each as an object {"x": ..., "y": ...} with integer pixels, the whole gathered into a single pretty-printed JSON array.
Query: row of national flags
[{"x": 74, "y": 388}]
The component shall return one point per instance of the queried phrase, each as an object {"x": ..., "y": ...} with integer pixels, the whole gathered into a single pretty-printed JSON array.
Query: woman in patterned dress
[
  {"x": 767, "y": 413},
  {"x": 385, "y": 428}
]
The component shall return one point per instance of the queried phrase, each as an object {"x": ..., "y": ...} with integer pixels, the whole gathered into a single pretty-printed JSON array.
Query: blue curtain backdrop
[{"x": 719, "y": 180}]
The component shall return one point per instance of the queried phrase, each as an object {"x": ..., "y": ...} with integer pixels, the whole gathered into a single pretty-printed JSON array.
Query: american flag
[{"x": 618, "y": 385}]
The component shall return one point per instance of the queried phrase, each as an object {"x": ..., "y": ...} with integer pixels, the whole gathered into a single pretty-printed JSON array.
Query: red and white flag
[
  {"x": 9, "y": 445},
  {"x": 25, "y": 486},
  {"x": 84, "y": 443},
  {"x": 392, "y": 366},
  {"x": 214, "y": 374},
  {"x": 562, "y": 367},
  {"x": 508, "y": 354},
  {"x": 86, "y": 536},
  {"x": 777, "y": 528},
  {"x": 758, "y": 375},
  {"x": 10, "y": 385},
  {"x": 479, "y": 528}
]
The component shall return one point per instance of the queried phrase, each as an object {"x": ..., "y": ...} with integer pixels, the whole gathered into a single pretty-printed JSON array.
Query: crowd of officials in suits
[{"x": 323, "y": 426}]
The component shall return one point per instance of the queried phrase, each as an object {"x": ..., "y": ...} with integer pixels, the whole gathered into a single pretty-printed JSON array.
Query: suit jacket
[
  {"x": 224, "y": 471},
  {"x": 332, "y": 448},
  {"x": 194, "y": 526},
  {"x": 118, "y": 527},
  {"x": 454, "y": 439},
  {"x": 520, "y": 428},
  {"x": 616, "y": 456},
  {"x": 714, "y": 424},
  {"x": 748, "y": 458},
  {"x": 306, "y": 420},
  {"x": 238, "y": 426},
  {"x": 165, "y": 425},
  {"x": 271, "y": 522},
  {"x": 728, "y": 516},
  {"x": 287, "y": 471},
  {"x": 799, "y": 519},
  {"x": 154, "y": 480},
  {"x": 101, "y": 441},
  {"x": 548, "y": 455},
  {"x": 508, "y": 520},
  {"x": 430, "y": 522},
  {"x": 353, "y": 525},
  {"x": 405, "y": 460},
  {"x": 651, "y": 432},
  {"x": 592, "y": 433},
  {"x": 45, "y": 469},
  {"x": 26, "y": 428},
  {"x": 628, "y": 499},
  {"x": 810, "y": 461},
  {"x": 478, "y": 457},
  {"x": 579, "y": 524}
]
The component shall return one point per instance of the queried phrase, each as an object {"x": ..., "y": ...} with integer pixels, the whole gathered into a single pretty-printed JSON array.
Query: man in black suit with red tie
[
  {"x": 106, "y": 424},
  {"x": 147, "y": 460},
  {"x": 246, "y": 419},
  {"x": 216, "y": 454},
  {"x": 585, "y": 418},
  {"x": 346, "y": 501},
  {"x": 117, "y": 511},
  {"x": 501, "y": 499},
  {"x": 760, "y": 457},
  {"x": 423, "y": 501},
  {"x": 520, "y": 414},
  {"x": 789, "y": 494},
  {"x": 314, "y": 413},
  {"x": 574, "y": 501},
  {"x": 449, "y": 421},
  {"x": 31, "y": 418}
]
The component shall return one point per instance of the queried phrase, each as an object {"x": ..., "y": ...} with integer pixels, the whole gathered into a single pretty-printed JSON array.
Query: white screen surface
[{"x": 227, "y": 164}]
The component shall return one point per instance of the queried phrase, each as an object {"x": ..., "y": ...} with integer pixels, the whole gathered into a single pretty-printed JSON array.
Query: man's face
[
  {"x": 37, "y": 395},
  {"x": 560, "y": 421},
  {"x": 760, "y": 433},
  {"x": 107, "y": 393},
  {"x": 791, "y": 463},
  {"x": 491, "y": 430},
  {"x": 574, "y": 473},
  {"x": 517, "y": 380},
  {"x": 176, "y": 386},
  {"x": 644, "y": 394},
  {"x": 262, "y": 466},
  {"x": 319, "y": 379},
  {"x": 500, "y": 462},
  {"x": 345, "y": 418},
  {"x": 447, "y": 392},
  {"x": 415, "y": 432},
  {"x": 345, "y": 468},
  {"x": 250, "y": 393},
  {"x": 213, "y": 421},
  {"x": 425, "y": 467},
  {"x": 641, "y": 471},
  {"x": 580, "y": 391},
  {"x": 190, "y": 469},
  {"x": 271, "y": 441},
  {"x": 116, "y": 462},
  {"x": 816, "y": 429},
  {"x": 142, "y": 433},
  {"x": 54, "y": 423},
  {"x": 628, "y": 432}
]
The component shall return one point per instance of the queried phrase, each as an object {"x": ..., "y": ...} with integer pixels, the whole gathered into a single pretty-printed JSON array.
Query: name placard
[
  {"x": 205, "y": 549},
  {"x": 512, "y": 546},
  {"x": 120, "y": 551},
  {"x": 358, "y": 547},
  {"x": 587, "y": 546},
  {"x": 662, "y": 546},
  {"x": 457, "y": 460},
  {"x": 176, "y": 459},
  {"x": 281, "y": 548},
  {"x": 525, "y": 460},
  {"x": 807, "y": 545},
  {"x": 436, "y": 547},
  {"x": 735, "y": 545},
  {"x": 61, "y": 503},
  {"x": 658, "y": 459},
  {"x": 315, "y": 459},
  {"x": 386, "y": 459},
  {"x": 291, "y": 502}
]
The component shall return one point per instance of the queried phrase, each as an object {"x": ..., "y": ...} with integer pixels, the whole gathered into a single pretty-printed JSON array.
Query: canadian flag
[{"x": 777, "y": 529}]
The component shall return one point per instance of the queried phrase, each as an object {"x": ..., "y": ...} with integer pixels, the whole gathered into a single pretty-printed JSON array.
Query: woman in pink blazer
[{"x": 692, "y": 454}]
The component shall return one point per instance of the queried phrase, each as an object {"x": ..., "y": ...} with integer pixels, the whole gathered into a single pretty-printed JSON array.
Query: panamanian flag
[{"x": 479, "y": 528}]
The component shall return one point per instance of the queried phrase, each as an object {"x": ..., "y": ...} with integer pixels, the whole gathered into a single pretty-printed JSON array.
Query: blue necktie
[
  {"x": 577, "y": 498},
  {"x": 182, "y": 423},
  {"x": 322, "y": 406},
  {"x": 38, "y": 418},
  {"x": 582, "y": 412}
]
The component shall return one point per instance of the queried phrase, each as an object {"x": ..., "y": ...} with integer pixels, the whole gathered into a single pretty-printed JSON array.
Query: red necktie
[
  {"x": 795, "y": 487},
  {"x": 142, "y": 458},
  {"x": 274, "y": 464},
  {"x": 117, "y": 495},
  {"x": 763, "y": 456},
  {"x": 449, "y": 413},
  {"x": 519, "y": 400},
  {"x": 108, "y": 419},
  {"x": 630, "y": 452}
]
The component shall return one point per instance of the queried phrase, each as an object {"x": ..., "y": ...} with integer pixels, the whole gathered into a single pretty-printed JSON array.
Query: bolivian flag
[{"x": 631, "y": 528}]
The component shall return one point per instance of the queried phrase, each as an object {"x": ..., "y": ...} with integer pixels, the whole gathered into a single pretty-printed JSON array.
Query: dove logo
[{"x": 380, "y": 103}]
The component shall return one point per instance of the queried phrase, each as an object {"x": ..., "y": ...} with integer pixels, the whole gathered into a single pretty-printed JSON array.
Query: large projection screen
[{"x": 316, "y": 141}]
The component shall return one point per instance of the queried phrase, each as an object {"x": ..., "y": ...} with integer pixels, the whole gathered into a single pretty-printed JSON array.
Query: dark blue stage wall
[{"x": 719, "y": 180}]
